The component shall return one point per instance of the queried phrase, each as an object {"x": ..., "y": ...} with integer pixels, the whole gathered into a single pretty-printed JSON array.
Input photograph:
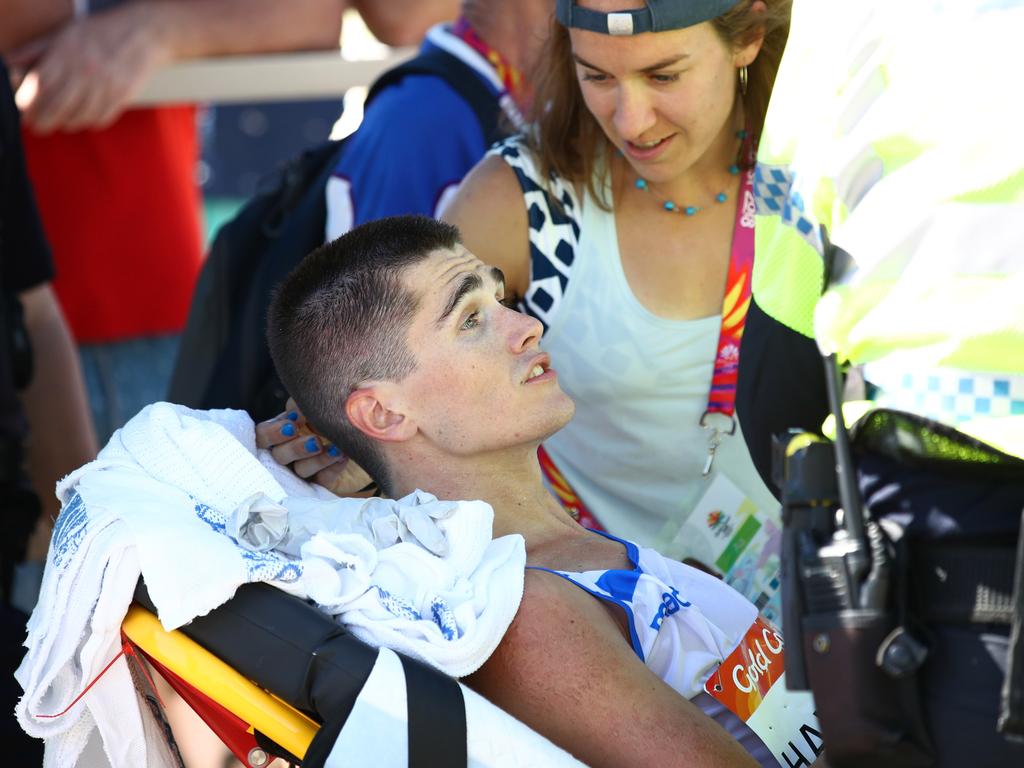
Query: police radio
[{"x": 846, "y": 639}]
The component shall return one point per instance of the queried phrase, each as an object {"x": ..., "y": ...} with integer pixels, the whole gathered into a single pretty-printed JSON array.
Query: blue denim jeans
[{"x": 125, "y": 376}]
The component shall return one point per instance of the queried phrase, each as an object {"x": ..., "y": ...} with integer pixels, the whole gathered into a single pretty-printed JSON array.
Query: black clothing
[
  {"x": 24, "y": 256},
  {"x": 781, "y": 386},
  {"x": 24, "y": 263}
]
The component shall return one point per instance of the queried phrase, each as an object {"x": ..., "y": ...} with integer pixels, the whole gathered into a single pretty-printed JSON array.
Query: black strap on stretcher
[
  {"x": 288, "y": 647},
  {"x": 436, "y": 727},
  {"x": 437, "y": 715}
]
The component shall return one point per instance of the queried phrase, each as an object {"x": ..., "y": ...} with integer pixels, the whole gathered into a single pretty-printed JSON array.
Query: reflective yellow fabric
[
  {"x": 890, "y": 131},
  {"x": 788, "y": 285}
]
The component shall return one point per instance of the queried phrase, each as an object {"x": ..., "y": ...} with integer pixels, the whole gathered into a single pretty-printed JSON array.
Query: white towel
[{"x": 161, "y": 499}]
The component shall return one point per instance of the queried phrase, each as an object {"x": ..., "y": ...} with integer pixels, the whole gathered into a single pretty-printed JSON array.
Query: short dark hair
[{"x": 341, "y": 318}]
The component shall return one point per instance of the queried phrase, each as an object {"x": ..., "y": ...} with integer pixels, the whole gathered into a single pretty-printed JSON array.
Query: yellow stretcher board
[{"x": 187, "y": 659}]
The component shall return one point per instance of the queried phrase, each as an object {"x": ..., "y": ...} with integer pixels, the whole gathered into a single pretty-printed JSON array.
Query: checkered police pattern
[
  {"x": 953, "y": 397},
  {"x": 775, "y": 195},
  {"x": 552, "y": 211}
]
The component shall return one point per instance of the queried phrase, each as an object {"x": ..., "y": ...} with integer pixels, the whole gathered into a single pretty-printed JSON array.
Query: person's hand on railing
[
  {"x": 294, "y": 443},
  {"x": 85, "y": 74}
]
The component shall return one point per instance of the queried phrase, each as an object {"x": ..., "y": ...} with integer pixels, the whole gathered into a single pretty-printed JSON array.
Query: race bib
[
  {"x": 728, "y": 532},
  {"x": 751, "y": 684}
]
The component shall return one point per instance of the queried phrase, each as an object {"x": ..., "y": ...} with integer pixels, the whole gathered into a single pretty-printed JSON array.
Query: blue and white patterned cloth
[
  {"x": 951, "y": 396},
  {"x": 184, "y": 499}
]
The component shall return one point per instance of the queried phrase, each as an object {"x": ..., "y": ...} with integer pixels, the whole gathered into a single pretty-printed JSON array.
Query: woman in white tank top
[{"x": 623, "y": 222}]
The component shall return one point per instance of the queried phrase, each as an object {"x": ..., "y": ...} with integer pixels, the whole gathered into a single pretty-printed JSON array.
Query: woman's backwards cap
[{"x": 656, "y": 16}]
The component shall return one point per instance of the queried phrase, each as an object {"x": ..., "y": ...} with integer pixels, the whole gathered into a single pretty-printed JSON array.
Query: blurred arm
[
  {"x": 61, "y": 437},
  {"x": 25, "y": 20},
  {"x": 85, "y": 73},
  {"x": 195, "y": 28}
]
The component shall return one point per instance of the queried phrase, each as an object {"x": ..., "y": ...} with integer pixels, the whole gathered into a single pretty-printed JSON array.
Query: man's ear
[{"x": 369, "y": 410}]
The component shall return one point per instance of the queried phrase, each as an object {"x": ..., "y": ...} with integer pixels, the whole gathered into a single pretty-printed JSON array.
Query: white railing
[{"x": 270, "y": 77}]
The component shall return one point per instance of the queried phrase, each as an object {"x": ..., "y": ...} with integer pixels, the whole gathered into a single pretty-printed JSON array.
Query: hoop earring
[{"x": 743, "y": 80}]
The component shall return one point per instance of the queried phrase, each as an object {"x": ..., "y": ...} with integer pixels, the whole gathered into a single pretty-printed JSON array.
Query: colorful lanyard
[
  {"x": 511, "y": 76},
  {"x": 719, "y": 416},
  {"x": 722, "y": 395}
]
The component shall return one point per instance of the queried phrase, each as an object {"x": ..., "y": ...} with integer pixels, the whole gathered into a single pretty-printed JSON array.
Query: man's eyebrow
[
  {"x": 499, "y": 277},
  {"x": 653, "y": 68},
  {"x": 468, "y": 284}
]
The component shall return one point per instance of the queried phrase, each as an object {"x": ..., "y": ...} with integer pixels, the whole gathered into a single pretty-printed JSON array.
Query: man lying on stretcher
[{"x": 395, "y": 344}]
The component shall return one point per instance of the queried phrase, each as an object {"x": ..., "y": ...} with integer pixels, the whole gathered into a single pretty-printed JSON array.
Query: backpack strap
[
  {"x": 306, "y": 173},
  {"x": 460, "y": 77}
]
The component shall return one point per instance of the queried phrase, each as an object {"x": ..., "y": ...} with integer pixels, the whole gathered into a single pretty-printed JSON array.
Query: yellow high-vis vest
[{"x": 893, "y": 133}]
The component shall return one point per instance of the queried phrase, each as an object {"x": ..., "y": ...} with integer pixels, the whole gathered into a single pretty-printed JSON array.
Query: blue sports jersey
[{"x": 418, "y": 139}]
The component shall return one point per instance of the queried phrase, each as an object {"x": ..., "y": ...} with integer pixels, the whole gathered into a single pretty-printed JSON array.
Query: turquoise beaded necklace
[{"x": 690, "y": 210}]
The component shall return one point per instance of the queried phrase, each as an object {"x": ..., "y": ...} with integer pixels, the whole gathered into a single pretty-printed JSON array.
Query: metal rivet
[
  {"x": 821, "y": 643},
  {"x": 258, "y": 758}
]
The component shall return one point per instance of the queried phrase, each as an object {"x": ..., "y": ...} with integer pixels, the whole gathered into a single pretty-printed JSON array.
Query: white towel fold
[
  {"x": 183, "y": 498},
  {"x": 417, "y": 518}
]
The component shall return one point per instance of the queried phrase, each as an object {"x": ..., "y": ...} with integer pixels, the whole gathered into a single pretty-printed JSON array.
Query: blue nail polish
[
  {"x": 288, "y": 430},
  {"x": 311, "y": 445},
  {"x": 333, "y": 451},
  {"x": 292, "y": 416}
]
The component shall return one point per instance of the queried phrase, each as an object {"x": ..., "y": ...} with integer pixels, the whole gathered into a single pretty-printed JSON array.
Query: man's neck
[
  {"x": 515, "y": 28},
  {"x": 510, "y": 482}
]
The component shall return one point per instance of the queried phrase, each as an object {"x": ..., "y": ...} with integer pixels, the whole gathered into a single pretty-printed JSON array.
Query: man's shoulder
[
  {"x": 554, "y": 603},
  {"x": 448, "y": 85},
  {"x": 556, "y": 621},
  {"x": 418, "y": 98},
  {"x": 419, "y": 113}
]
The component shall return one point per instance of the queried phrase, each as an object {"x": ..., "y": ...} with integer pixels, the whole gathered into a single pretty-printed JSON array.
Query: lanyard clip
[{"x": 725, "y": 425}]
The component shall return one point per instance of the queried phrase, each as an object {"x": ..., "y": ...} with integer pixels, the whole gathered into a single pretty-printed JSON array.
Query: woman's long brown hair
[{"x": 567, "y": 138}]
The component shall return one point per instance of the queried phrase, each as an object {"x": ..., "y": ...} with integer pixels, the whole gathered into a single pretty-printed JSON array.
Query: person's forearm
[
  {"x": 61, "y": 436},
  {"x": 24, "y": 20},
  {"x": 193, "y": 29}
]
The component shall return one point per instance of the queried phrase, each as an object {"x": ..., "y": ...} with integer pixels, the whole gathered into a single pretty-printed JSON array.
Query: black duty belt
[{"x": 959, "y": 584}]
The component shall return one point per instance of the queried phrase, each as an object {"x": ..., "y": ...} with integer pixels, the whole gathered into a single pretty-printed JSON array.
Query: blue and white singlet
[{"x": 683, "y": 623}]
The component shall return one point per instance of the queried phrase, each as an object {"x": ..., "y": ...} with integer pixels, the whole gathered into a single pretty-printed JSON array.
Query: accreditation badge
[
  {"x": 730, "y": 534},
  {"x": 751, "y": 684}
]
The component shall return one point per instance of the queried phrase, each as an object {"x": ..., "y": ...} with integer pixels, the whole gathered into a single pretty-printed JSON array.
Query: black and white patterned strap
[{"x": 553, "y": 212}]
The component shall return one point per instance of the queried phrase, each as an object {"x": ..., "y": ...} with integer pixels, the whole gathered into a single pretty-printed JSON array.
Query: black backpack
[{"x": 223, "y": 360}]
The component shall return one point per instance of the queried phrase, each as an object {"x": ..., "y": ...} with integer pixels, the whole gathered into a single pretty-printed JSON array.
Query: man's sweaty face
[{"x": 481, "y": 381}]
